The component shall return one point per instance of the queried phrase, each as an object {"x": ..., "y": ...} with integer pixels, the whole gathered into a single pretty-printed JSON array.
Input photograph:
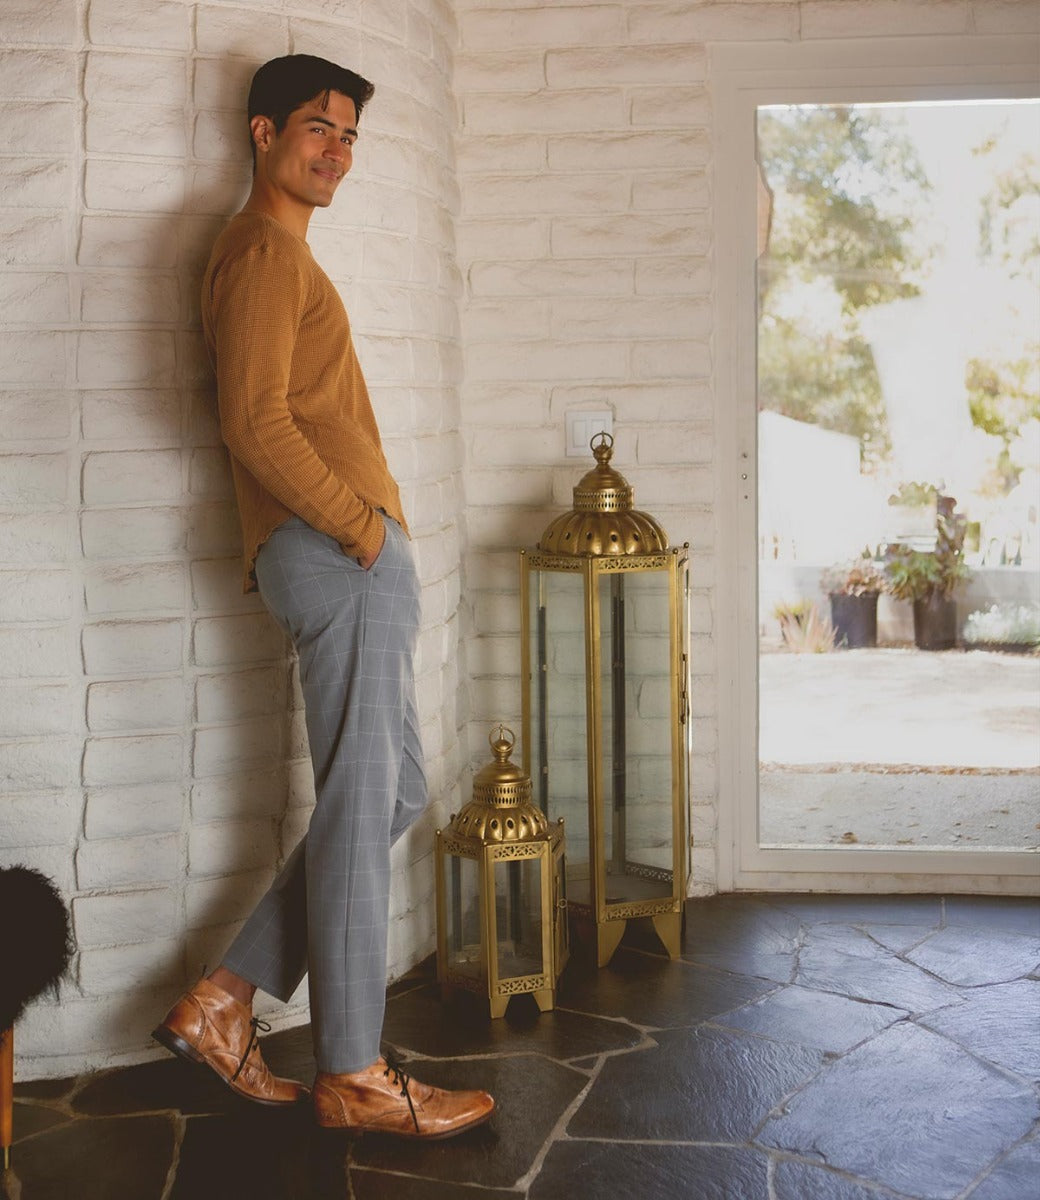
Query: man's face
[{"x": 307, "y": 160}]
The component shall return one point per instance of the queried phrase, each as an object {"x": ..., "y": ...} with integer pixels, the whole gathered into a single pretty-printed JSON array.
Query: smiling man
[{"x": 326, "y": 545}]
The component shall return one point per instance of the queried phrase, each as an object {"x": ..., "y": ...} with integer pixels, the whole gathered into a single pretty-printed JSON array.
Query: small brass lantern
[
  {"x": 604, "y": 632},
  {"x": 501, "y": 925}
]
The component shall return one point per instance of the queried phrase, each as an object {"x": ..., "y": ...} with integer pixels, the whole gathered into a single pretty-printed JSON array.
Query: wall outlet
[{"x": 582, "y": 425}]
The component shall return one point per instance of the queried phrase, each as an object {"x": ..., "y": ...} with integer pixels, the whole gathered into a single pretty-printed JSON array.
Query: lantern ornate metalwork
[
  {"x": 604, "y": 629},
  {"x": 501, "y": 890}
]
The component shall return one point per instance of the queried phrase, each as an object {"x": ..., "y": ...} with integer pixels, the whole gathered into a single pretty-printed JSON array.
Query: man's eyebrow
[{"x": 316, "y": 120}]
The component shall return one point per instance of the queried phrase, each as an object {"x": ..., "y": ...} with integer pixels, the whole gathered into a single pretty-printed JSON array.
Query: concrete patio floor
[{"x": 898, "y": 747}]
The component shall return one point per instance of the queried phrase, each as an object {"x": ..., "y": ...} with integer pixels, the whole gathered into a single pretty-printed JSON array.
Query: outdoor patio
[{"x": 900, "y": 747}]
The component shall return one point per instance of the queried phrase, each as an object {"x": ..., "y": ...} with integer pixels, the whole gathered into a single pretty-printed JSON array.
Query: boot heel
[{"x": 176, "y": 1045}]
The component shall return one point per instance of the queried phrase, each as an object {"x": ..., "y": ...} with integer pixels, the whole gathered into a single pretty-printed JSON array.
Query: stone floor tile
[
  {"x": 421, "y": 1022},
  {"x": 705, "y": 1085},
  {"x": 259, "y": 1153},
  {"x": 47, "y": 1089},
  {"x": 531, "y": 1095},
  {"x": 820, "y": 1020},
  {"x": 367, "y": 1184},
  {"x": 653, "y": 991},
  {"x": 1015, "y": 1177},
  {"x": 975, "y": 956},
  {"x": 30, "y": 1119},
  {"x": 999, "y": 1023},
  {"x": 1007, "y": 914},
  {"x": 576, "y": 1170},
  {"x": 898, "y": 938},
  {"x": 909, "y": 1110},
  {"x": 746, "y": 937},
  {"x": 110, "y": 1158},
  {"x": 170, "y": 1083},
  {"x": 845, "y": 960},
  {"x": 801, "y": 1181},
  {"x": 862, "y": 910}
]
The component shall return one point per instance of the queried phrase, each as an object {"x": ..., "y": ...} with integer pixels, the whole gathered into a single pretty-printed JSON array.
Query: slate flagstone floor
[{"x": 803, "y": 1048}]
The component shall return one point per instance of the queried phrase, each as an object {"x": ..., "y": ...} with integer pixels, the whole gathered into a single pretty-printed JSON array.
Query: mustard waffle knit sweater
[{"x": 294, "y": 409}]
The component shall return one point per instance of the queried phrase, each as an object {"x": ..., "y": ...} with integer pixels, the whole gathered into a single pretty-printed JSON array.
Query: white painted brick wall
[
  {"x": 585, "y": 244},
  {"x": 149, "y": 757}
]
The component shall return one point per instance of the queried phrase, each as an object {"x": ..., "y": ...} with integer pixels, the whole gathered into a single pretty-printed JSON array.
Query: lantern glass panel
[
  {"x": 559, "y": 727},
  {"x": 518, "y": 916},
  {"x": 636, "y": 683},
  {"x": 461, "y": 901}
]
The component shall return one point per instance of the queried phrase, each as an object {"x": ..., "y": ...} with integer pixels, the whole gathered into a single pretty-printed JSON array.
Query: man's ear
[{"x": 262, "y": 130}]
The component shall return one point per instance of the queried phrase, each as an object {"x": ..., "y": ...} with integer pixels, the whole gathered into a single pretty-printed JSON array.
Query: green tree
[
  {"x": 847, "y": 188},
  {"x": 1004, "y": 393}
]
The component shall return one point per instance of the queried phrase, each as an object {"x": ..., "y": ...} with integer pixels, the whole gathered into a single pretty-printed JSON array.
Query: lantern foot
[
  {"x": 608, "y": 937},
  {"x": 544, "y": 998},
  {"x": 668, "y": 927},
  {"x": 499, "y": 1004}
]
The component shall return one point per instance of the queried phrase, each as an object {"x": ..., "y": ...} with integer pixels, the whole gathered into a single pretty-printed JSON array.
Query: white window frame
[{"x": 745, "y": 77}]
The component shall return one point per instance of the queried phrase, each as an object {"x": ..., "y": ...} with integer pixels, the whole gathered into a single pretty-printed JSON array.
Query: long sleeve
[
  {"x": 295, "y": 412},
  {"x": 258, "y": 301}
]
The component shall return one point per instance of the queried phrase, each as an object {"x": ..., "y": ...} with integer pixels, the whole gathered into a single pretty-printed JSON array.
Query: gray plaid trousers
[{"x": 326, "y": 913}]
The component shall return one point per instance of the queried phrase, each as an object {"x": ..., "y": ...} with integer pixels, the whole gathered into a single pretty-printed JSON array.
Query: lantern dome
[
  {"x": 603, "y": 520},
  {"x": 501, "y": 809}
]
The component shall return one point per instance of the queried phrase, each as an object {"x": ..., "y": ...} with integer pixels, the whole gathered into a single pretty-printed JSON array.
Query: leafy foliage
[
  {"x": 804, "y": 628},
  {"x": 860, "y": 577},
  {"x": 1004, "y": 625},
  {"x": 919, "y": 574},
  {"x": 846, "y": 187}
]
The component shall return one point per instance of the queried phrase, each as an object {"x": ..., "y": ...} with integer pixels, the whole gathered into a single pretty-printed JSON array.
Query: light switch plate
[{"x": 582, "y": 425}]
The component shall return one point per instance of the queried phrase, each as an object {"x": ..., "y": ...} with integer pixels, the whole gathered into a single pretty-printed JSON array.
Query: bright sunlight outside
[{"x": 899, "y": 474}]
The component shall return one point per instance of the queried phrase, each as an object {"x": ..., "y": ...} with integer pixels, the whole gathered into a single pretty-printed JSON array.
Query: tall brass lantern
[
  {"x": 604, "y": 604},
  {"x": 501, "y": 890}
]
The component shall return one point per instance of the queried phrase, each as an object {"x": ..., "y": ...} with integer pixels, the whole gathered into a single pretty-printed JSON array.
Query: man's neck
[{"x": 294, "y": 216}]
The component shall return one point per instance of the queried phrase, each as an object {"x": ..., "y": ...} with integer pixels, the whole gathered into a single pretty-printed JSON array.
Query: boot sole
[
  {"x": 357, "y": 1130},
  {"x": 177, "y": 1045}
]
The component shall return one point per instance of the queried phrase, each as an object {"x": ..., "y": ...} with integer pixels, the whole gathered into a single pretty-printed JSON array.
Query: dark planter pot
[
  {"x": 935, "y": 623},
  {"x": 854, "y": 619}
]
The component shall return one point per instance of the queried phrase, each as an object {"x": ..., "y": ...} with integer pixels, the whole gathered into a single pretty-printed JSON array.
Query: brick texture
[{"x": 150, "y": 755}]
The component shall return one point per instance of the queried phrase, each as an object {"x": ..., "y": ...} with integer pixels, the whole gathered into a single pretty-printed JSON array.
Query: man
[{"x": 326, "y": 546}]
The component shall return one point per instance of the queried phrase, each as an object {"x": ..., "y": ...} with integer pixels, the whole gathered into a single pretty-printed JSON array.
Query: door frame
[{"x": 744, "y": 77}]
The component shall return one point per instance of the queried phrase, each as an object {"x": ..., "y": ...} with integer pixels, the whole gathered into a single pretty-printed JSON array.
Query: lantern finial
[{"x": 603, "y": 520}]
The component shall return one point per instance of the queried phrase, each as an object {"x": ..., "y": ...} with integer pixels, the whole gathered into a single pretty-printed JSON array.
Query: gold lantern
[
  {"x": 501, "y": 925},
  {"x": 604, "y": 629}
]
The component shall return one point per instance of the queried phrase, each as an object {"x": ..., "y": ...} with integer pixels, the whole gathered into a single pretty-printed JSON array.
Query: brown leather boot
[
  {"x": 383, "y": 1099},
  {"x": 209, "y": 1027}
]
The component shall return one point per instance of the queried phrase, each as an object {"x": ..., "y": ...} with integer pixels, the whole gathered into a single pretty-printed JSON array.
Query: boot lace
[
  {"x": 398, "y": 1077},
  {"x": 256, "y": 1027}
]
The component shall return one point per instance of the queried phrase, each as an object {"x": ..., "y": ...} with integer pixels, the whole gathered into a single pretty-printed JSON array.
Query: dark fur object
[{"x": 35, "y": 939}]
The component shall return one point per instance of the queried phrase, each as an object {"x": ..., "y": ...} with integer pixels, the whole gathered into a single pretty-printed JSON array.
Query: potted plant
[
  {"x": 930, "y": 578},
  {"x": 854, "y": 588}
]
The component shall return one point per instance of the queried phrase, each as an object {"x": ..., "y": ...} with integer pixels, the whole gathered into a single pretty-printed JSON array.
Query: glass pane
[
  {"x": 518, "y": 915},
  {"x": 899, "y": 448},
  {"x": 559, "y": 772},
  {"x": 461, "y": 902},
  {"x": 636, "y": 731}
]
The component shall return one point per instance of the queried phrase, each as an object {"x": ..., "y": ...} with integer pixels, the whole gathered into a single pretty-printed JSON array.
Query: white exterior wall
[
  {"x": 149, "y": 761},
  {"x": 586, "y": 156},
  {"x": 146, "y": 761}
]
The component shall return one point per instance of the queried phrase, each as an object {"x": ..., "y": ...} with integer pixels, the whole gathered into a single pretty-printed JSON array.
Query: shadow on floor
[{"x": 803, "y": 1048}]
